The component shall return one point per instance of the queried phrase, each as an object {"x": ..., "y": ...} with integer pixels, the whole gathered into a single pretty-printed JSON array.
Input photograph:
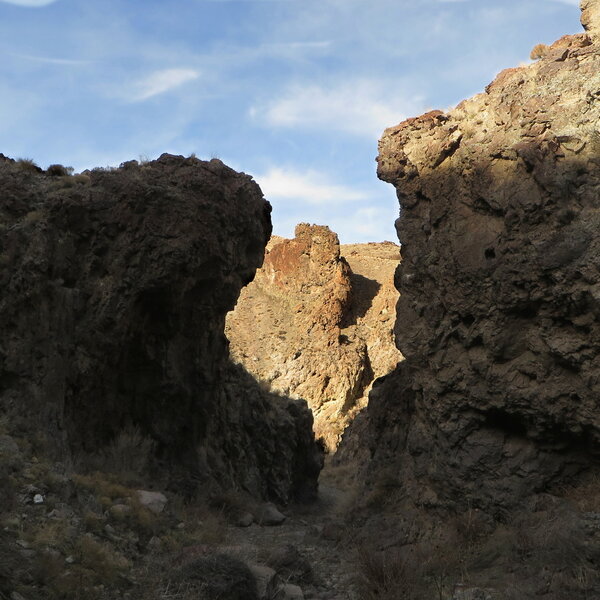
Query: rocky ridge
[
  {"x": 316, "y": 323},
  {"x": 114, "y": 289}
]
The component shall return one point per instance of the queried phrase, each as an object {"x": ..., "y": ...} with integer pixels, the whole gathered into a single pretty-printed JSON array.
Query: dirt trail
[{"x": 307, "y": 549}]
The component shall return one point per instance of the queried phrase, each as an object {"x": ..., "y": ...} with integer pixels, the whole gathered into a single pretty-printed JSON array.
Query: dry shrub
[
  {"x": 52, "y": 534},
  {"x": 33, "y": 216},
  {"x": 129, "y": 454},
  {"x": 539, "y": 51},
  {"x": 232, "y": 504},
  {"x": 101, "y": 559},
  {"x": 384, "y": 490},
  {"x": 27, "y": 165},
  {"x": 388, "y": 576},
  {"x": 59, "y": 171},
  {"x": 81, "y": 178},
  {"x": 102, "y": 485},
  {"x": 216, "y": 576}
]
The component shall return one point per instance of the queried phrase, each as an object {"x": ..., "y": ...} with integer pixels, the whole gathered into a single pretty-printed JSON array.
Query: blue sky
[{"x": 294, "y": 92}]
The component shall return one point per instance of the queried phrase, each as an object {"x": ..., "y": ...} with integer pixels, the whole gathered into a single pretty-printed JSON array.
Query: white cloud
[
  {"x": 29, "y": 2},
  {"x": 360, "y": 107},
  {"x": 50, "y": 60},
  {"x": 162, "y": 81},
  {"x": 311, "y": 187}
]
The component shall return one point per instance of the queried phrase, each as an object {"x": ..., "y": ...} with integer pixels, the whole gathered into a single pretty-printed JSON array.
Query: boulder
[{"x": 153, "y": 501}]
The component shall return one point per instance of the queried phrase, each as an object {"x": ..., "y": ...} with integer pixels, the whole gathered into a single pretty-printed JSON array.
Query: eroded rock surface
[
  {"x": 318, "y": 325},
  {"x": 114, "y": 291},
  {"x": 498, "y": 315}
]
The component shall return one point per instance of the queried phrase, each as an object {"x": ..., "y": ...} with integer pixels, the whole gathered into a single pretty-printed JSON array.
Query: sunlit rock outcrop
[{"x": 318, "y": 325}]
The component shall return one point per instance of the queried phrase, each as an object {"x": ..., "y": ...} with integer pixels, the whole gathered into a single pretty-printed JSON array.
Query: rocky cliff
[
  {"x": 318, "y": 325},
  {"x": 498, "y": 314},
  {"x": 114, "y": 286}
]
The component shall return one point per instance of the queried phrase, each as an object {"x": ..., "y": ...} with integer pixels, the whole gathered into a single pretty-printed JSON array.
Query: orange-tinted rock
[{"x": 315, "y": 328}]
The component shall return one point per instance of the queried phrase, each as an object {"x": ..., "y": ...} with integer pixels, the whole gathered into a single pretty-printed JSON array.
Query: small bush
[
  {"x": 215, "y": 576},
  {"x": 387, "y": 576},
  {"x": 33, "y": 216},
  {"x": 59, "y": 171},
  {"x": 128, "y": 455},
  {"x": 101, "y": 559},
  {"x": 539, "y": 51},
  {"x": 100, "y": 485},
  {"x": 81, "y": 179},
  {"x": 27, "y": 165}
]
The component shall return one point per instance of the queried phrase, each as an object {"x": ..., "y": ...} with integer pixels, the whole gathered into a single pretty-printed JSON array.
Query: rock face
[
  {"x": 500, "y": 300},
  {"x": 312, "y": 327},
  {"x": 114, "y": 290}
]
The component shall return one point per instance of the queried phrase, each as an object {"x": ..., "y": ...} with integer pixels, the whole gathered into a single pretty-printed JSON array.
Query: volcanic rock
[
  {"x": 498, "y": 316},
  {"x": 316, "y": 325},
  {"x": 114, "y": 286}
]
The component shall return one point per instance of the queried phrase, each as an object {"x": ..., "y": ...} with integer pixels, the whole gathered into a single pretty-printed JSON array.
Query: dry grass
[
  {"x": 101, "y": 485},
  {"x": 27, "y": 165},
  {"x": 33, "y": 216},
  {"x": 388, "y": 576},
  {"x": 384, "y": 490},
  {"x": 81, "y": 179},
  {"x": 539, "y": 51},
  {"x": 128, "y": 456}
]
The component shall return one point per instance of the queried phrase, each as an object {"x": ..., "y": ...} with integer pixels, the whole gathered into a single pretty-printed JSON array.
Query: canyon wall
[
  {"x": 500, "y": 301},
  {"x": 114, "y": 286},
  {"x": 318, "y": 325}
]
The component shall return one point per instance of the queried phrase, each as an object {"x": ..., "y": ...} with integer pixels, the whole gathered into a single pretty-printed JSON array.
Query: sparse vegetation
[
  {"x": 59, "y": 171},
  {"x": 27, "y": 165},
  {"x": 388, "y": 576},
  {"x": 539, "y": 51}
]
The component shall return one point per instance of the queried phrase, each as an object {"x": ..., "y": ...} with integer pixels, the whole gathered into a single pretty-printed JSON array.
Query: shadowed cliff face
[
  {"x": 114, "y": 291},
  {"x": 498, "y": 396}
]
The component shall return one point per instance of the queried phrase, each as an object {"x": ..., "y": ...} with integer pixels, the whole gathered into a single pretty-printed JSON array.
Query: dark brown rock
[
  {"x": 498, "y": 314},
  {"x": 114, "y": 291}
]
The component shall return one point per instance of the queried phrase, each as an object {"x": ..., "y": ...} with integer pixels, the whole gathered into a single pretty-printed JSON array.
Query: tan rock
[
  {"x": 317, "y": 325},
  {"x": 590, "y": 16}
]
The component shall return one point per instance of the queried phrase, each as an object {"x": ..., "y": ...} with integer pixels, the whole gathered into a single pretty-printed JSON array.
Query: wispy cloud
[
  {"x": 311, "y": 187},
  {"x": 353, "y": 212},
  {"x": 29, "y": 3},
  {"x": 360, "y": 107},
  {"x": 160, "y": 82},
  {"x": 52, "y": 60},
  {"x": 320, "y": 45}
]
